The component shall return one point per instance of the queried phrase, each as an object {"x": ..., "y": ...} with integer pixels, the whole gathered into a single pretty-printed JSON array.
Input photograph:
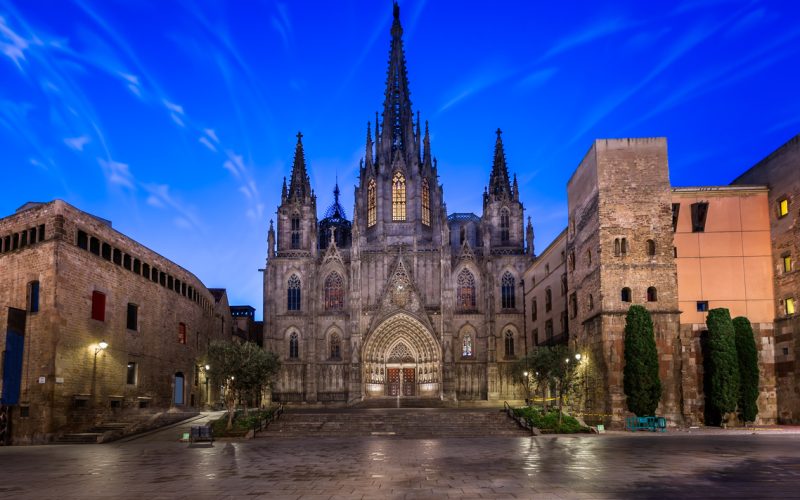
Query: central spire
[{"x": 397, "y": 126}]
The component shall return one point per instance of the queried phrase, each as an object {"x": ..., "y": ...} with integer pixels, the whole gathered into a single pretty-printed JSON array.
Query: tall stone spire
[
  {"x": 397, "y": 128},
  {"x": 300, "y": 185},
  {"x": 426, "y": 149},
  {"x": 369, "y": 146},
  {"x": 499, "y": 184}
]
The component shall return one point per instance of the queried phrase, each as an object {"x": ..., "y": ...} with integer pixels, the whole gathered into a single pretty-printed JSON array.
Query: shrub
[
  {"x": 641, "y": 382},
  {"x": 748, "y": 369},
  {"x": 724, "y": 380},
  {"x": 547, "y": 421}
]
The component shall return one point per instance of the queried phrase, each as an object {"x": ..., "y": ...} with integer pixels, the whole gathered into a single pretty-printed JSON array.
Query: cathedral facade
[{"x": 404, "y": 300}]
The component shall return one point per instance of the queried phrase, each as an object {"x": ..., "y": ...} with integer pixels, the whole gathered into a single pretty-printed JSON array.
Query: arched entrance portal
[{"x": 401, "y": 358}]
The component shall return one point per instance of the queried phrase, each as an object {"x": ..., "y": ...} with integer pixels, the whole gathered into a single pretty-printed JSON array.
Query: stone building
[
  {"x": 96, "y": 325},
  {"x": 546, "y": 295},
  {"x": 405, "y": 300},
  {"x": 779, "y": 171}
]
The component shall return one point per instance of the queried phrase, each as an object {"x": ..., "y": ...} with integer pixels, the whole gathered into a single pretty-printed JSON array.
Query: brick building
[{"x": 96, "y": 324}]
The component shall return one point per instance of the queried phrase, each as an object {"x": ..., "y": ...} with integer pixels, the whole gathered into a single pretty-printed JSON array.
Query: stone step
[{"x": 79, "y": 438}]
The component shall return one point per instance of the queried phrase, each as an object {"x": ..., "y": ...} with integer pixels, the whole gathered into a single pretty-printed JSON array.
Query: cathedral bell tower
[
  {"x": 502, "y": 219},
  {"x": 297, "y": 213},
  {"x": 399, "y": 199}
]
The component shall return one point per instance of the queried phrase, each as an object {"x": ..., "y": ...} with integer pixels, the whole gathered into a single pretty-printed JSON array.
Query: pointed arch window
[
  {"x": 293, "y": 293},
  {"x": 372, "y": 204},
  {"x": 466, "y": 347},
  {"x": 509, "y": 343},
  {"x": 507, "y": 291},
  {"x": 295, "y": 231},
  {"x": 334, "y": 292},
  {"x": 426, "y": 203},
  {"x": 294, "y": 346},
  {"x": 465, "y": 293},
  {"x": 336, "y": 347},
  {"x": 504, "y": 226},
  {"x": 398, "y": 197}
]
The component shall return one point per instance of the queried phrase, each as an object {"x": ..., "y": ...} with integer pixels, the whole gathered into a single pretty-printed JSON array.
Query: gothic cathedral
[{"x": 404, "y": 301}]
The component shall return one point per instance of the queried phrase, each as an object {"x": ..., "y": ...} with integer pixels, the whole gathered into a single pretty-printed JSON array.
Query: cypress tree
[
  {"x": 724, "y": 364},
  {"x": 748, "y": 369},
  {"x": 640, "y": 376}
]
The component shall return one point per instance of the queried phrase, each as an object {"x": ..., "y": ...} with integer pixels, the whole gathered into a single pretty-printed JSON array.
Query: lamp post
[
  {"x": 205, "y": 369},
  {"x": 101, "y": 346}
]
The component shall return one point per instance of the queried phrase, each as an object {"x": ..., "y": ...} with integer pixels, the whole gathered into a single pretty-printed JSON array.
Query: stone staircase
[
  {"x": 399, "y": 422},
  {"x": 131, "y": 424}
]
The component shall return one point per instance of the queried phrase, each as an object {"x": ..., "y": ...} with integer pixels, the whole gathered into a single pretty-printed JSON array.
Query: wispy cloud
[
  {"x": 205, "y": 142},
  {"x": 117, "y": 173},
  {"x": 159, "y": 196},
  {"x": 77, "y": 143},
  {"x": 537, "y": 77},
  {"x": 282, "y": 24},
  {"x": 588, "y": 34},
  {"x": 12, "y": 45},
  {"x": 483, "y": 79},
  {"x": 747, "y": 21}
]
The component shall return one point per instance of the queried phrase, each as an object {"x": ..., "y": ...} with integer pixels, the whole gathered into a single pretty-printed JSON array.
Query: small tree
[
  {"x": 724, "y": 383},
  {"x": 748, "y": 369},
  {"x": 562, "y": 373},
  {"x": 241, "y": 369},
  {"x": 640, "y": 378}
]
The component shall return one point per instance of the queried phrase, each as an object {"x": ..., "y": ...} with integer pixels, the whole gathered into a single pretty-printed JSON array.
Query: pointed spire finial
[
  {"x": 499, "y": 183},
  {"x": 300, "y": 185}
]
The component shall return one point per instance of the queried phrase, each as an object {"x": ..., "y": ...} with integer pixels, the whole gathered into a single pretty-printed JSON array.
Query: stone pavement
[{"x": 618, "y": 465}]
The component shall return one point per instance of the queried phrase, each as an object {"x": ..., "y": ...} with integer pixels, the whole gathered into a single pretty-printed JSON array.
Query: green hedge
[
  {"x": 748, "y": 369},
  {"x": 547, "y": 422},
  {"x": 241, "y": 424},
  {"x": 724, "y": 362},
  {"x": 641, "y": 382}
]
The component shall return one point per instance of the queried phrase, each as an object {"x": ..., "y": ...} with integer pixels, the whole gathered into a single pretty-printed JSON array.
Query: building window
[
  {"x": 295, "y": 232},
  {"x": 465, "y": 291},
  {"x": 571, "y": 261},
  {"x": 652, "y": 295},
  {"x": 563, "y": 284},
  {"x": 336, "y": 347},
  {"x": 573, "y": 304},
  {"x": 98, "y": 306},
  {"x": 591, "y": 302},
  {"x": 509, "y": 338},
  {"x": 507, "y": 291},
  {"x": 699, "y": 214},
  {"x": 787, "y": 263},
  {"x": 94, "y": 245},
  {"x": 426, "y": 203},
  {"x": 617, "y": 247},
  {"x": 548, "y": 300},
  {"x": 504, "y": 226},
  {"x": 294, "y": 346},
  {"x": 130, "y": 377},
  {"x": 702, "y": 306},
  {"x": 466, "y": 346},
  {"x": 676, "y": 210},
  {"x": 83, "y": 240},
  {"x": 789, "y": 302},
  {"x": 546, "y": 269},
  {"x": 293, "y": 293},
  {"x": 548, "y": 329},
  {"x": 106, "y": 252},
  {"x": 33, "y": 297},
  {"x": 398, "y": 197},
  {"x": 182, "y": 333},
  {"x": 625, "y": 296},
  {"x": 372, "y": 204},
  {"x": 651, "y": 248},
  {"x": 534, "y": 311},
  {"x": 588, "y": 258},
  {"x": 783, "y": 207},
  {"x": 334, "y": 292},
  {"x": 563, "y": 322},
  {"x": 133, "y": 317}
]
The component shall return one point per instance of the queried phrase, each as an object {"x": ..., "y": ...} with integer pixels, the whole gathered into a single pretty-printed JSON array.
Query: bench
[
  {"x": 201, "y": 433},
  {"x": 652, "y": 424}
]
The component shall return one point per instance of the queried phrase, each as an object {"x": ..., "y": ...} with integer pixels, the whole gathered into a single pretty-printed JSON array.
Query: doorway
[{"x": 178, "y": 392}]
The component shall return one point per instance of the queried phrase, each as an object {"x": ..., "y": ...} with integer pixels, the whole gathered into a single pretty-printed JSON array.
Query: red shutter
[{"x": 98, "y": 306}]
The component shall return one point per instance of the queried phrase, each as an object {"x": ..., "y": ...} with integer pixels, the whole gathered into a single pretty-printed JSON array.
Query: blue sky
[{"x": 177, "y": 120}]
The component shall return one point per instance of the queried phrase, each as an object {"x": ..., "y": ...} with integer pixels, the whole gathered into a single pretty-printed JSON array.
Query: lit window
[
  {"x": 789, "y": 306},
  {"x": 426, "y": 203},
  {"x": 783, "y": 207},
  {"x": 372, "y": 204},
  {"x": 466, "y": 346},
  {"x": 787, "y": 263},
  {"x": 130, "y": 377},
  {"x": 398, "y": 197}
]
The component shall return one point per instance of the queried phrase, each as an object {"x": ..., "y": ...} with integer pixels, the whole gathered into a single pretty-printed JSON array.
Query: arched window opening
[
  {"x": 426, "y": 203},
  {"x": 294, "y": 346},
  {"x": 571, "y": 261},
  {"x": 591, "y": 302},
  {"x": 573, "y": 305},
  {"x": 534, "y": 310},
  {"x": 334, "y": 292},
  {"x": 295, "y": 231},
  {"x": 33, "y": 297},
  {"x": 336, "y": 347},
  {"x": 651, "y": 248},
  {"x": 293, "y": 293},
  {"x": 563, "y": 284},
  {"x": 617, "y": 247},
  {"x": 504, "y": 226},
  {"x": 548, "y": 300},
  {"x": 465, "y": 291},
  {"x": 626, "y": 294},
  {"x": 588, "y": 258},
  {"x": 652, "y": 295},
  {"x": 466, "y": 347},
  {"x": 372, "y": 204},
  {"x": 509, "y": 342},
  {"x": 507, "y": 291},
  {"x": 624, "y": 246},
  {"x": 398, "y": 197}
]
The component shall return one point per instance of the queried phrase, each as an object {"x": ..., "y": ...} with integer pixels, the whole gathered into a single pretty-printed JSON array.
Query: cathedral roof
[{"x": 335, "y": 210}]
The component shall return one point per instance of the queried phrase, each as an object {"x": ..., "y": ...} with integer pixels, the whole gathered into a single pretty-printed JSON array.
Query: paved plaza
[{"x": 734, "y": 464}]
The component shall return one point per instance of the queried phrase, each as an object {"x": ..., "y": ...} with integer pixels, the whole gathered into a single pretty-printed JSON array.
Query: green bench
[{"x": 652, "y": 424}]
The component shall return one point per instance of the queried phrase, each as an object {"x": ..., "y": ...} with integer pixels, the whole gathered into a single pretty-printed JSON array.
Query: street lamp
[
  {"x": 101, "y": 346},
  {"x": 578, "y": 356}
]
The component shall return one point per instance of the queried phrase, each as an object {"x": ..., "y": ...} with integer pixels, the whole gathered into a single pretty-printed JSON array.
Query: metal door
[
  {"x": 409, "y": 381},
  {"x": 393, "y": 387}
]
